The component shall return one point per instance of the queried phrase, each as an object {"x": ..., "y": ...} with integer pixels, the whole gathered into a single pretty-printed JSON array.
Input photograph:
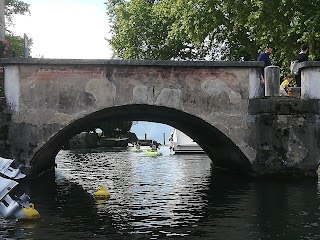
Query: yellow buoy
[
  {"x": 31, "y": 212},
  {"x": 102, "y": 193}
]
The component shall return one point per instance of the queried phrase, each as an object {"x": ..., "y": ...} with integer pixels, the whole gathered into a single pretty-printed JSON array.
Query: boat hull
[{"x": 183, "y": 144}]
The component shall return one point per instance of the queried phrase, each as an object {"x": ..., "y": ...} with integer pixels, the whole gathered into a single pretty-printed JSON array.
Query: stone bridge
[{"x": 216, "y": 103}]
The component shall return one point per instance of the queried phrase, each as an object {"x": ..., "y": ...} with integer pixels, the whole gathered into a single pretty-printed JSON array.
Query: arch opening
[{"x": 220, "y": 149}]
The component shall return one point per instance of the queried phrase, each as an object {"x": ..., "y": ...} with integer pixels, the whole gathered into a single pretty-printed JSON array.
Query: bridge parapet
[{"x": 218, "y": 104}]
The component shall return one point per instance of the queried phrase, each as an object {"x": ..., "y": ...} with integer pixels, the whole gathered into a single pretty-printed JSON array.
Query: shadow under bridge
[{"x": 221, "y": 150}]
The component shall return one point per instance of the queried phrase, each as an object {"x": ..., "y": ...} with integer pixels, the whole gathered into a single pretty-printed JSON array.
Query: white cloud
[{"x": 66, "y": 30}]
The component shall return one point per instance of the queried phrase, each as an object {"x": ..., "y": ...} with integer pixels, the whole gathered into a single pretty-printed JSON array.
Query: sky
[
  {"x": 154, "y": 131},
  {"x": 73, "y": 29}
]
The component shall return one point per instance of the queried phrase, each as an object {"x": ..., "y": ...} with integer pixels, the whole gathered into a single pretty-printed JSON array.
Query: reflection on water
[{"x": 170, "y": 196}]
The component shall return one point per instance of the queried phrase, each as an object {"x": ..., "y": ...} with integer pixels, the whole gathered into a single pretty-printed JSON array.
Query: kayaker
[{"x": 154, "y": 146}]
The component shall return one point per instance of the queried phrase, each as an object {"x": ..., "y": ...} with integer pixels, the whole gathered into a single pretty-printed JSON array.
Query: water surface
[{"x": 166, "y": 197}]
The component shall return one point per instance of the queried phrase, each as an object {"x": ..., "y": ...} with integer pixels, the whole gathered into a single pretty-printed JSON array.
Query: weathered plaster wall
[
  {"x": 52, "y": 96},
  {"x": 12, "y": 88}
]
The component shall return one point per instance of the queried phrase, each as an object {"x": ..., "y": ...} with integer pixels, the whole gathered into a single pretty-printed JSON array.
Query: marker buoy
[
  {"x": 31, "y": 212},
  {"x": 102, "y": 193}
]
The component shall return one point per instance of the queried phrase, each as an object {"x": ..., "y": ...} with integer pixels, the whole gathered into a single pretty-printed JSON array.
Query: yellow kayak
[
  {"x": 136, "y": 150},
  {"x": 152, "y": 153}
]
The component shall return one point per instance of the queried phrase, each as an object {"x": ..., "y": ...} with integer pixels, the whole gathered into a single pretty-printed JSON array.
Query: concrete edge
[
  {"x": 283, "y": 106},
  {"x": 310, "y": 64},
  {"x": 47, "y": 61}
]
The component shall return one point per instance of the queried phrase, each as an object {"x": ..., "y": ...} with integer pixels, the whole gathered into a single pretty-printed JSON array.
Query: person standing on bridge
[
  {"x": 302, "y": 56},
  {"x": 264, "y": 57}
]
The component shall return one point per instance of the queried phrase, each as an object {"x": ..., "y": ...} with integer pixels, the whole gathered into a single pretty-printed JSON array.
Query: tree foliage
[
  {"x": 13, "y": 7},
  {"x": 114, "y": 128},
  {"x": 213, "y": 29},
  {"x": 16, "y": 45}
]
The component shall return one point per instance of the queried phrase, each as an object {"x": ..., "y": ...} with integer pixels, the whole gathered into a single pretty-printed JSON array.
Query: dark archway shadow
[{"x": 221, "y": 150}]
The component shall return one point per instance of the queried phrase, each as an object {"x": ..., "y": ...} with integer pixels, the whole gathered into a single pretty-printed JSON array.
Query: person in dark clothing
[
  {"x": 302, "y": 56},
  {"x": 264, "y": 57}
]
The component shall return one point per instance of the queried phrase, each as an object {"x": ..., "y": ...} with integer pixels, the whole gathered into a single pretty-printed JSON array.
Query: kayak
[
  {"x": 136, "y": 150},
  {"x": 151, "y": 153}
]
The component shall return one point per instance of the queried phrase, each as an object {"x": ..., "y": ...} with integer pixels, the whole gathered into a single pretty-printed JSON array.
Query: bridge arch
[{"x": 222, "y": 151}]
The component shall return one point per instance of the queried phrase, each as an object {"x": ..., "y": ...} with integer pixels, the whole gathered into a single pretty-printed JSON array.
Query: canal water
[{"x": 166, "y": 197}]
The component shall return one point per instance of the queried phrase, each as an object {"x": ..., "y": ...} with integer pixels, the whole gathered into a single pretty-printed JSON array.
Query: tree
[
  {"x": 16, "y": 48},
  {"x": 13, "y": 7},
  {"x": 139, "y": 32},
  {"x": 115, "y": 128},
  {"x": 213, "y": 29}
]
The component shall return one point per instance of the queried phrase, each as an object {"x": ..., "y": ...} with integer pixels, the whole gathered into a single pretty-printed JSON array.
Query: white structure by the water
[
  {"x": 10, "y": 203},
  {"x": 184, "y": 144}
]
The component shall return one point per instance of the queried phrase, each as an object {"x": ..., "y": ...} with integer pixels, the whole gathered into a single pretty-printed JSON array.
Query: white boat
[{"x": 182, "y": 143}]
